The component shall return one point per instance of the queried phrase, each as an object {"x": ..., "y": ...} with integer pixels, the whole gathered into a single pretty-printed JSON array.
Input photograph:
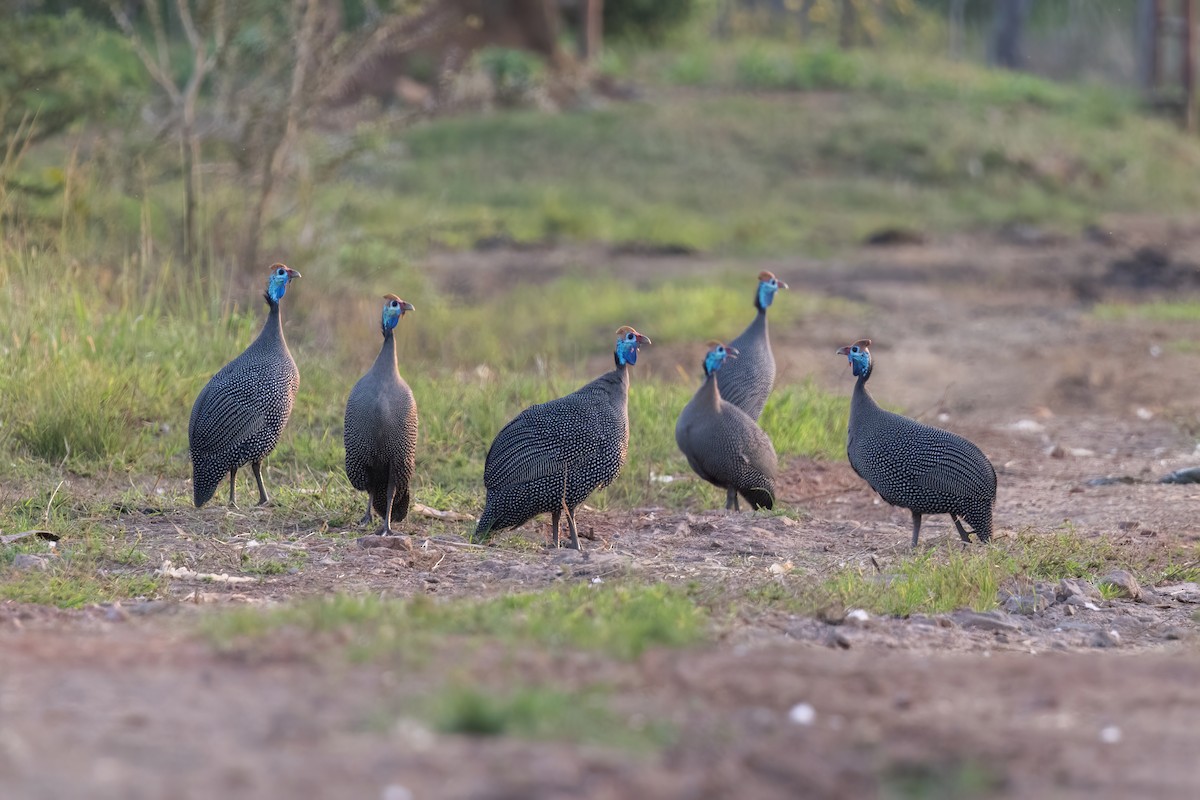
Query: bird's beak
[
  {"x": 407, "y": 306},
  {"x": 292, "y": 273},
  {"x": 643, "y": 339},
  {"x": 731, "y": 351},
  {"x": 782, "y": 284},
  {"x": 843, "y": 351}
]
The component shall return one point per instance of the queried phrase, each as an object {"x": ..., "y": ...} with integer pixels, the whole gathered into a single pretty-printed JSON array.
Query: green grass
[
  {"x": 542, "y": 713},
  {"x": 91, "y": 562},
  {"x": 947, "y": 578},
  {"x": 73, "y": 588},
  {"x": 1157, "y": 311},
  {"x": 127, "y": 365},
  {"x": 618, "y": 620}
]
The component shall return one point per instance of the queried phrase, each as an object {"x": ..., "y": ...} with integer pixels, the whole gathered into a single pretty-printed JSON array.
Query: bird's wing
[
  {"x": 525, "y": 450},
  {"x": 227, "y": 414}
]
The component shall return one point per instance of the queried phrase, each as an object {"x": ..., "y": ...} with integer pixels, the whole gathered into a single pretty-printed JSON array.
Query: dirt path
[{"x": 991, "y": 337}]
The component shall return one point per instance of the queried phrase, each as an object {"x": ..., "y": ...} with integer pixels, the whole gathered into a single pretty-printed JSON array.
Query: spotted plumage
[
  {"x": 924, "y": 469},
  {"x": 747, "y": 380},
  {"x": 380, "y": 431},
  {"x": 553, "y": 455},
  {"x": 723, "y": 444},
  {"x": 241, "y": 411}
]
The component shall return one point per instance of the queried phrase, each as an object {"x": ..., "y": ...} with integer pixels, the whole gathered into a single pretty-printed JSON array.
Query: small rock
[
  {"x": 1070, "y": 587},
  {"x": 835, "y": 638},
  {"x": 1025, "y": 604},
  {"x": 1123, "y": 583},
  {"x": 802, "y": 714},
  {"x": 858, "y": 617},
  {"x": 1173, "y": 634},
  {"x": 1079, "y": 601},
  {"x": 1110, "y": 734},
  {"x": 389, "y": 542},
  {"x": 396, "y": 792},
  {"x": 832, "y": 615},
  {"x": 26, "y": 561},
  {"x": 987, "y": 621},
  {"x": 1104, "y": 639}
]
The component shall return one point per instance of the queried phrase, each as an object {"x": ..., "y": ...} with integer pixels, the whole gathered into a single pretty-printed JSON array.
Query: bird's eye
[
  {"x": 280, "y": 272},
  {"x": 854, "y": 349},
  {"x": 394, "y": 304}
]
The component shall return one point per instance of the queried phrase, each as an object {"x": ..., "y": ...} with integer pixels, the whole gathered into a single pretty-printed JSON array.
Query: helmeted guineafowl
[
  {"x": 381, "y": 429},
  {"x": 924, "y": 469},
  {"x": 747, "y": 380},
  {"x": 241, "y": 411},
  {"x": 723, "y": 444},
  {"x": 553, "y": 455}
]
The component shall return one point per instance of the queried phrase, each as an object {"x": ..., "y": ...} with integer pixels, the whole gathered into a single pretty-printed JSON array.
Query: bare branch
[
  {"x": 395, "y": 35},
  {"x": 160, "y": 36},
  {"x": 189, "y": 26},
  {"x": 157, "y": 70}
]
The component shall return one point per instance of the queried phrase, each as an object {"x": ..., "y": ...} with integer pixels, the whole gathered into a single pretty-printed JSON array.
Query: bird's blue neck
[{"x": 763, "y": 297}]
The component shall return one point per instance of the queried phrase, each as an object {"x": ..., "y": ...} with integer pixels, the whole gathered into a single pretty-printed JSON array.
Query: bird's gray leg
[
  {"x": 554, "y": 517},
  {"x": 916, "y": 527},
  {"x": 262, "y": 490},
  {"x": 232, "y": 487},
  {"x": 386, "y": 530},
  {"x": 962, "y": 533},
  {"x": 574, "y": 532},
  {"x": 366, "y": 520}
]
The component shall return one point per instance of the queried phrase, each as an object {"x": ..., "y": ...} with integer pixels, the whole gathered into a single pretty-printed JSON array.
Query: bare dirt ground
[{"x": 990, "y": 335}]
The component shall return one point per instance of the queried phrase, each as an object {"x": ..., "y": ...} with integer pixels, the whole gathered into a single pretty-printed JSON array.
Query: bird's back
[
  {"x": 725, "y": 447},
  {"x": 245, "y": 406},
  {"x": 926, "y": 469},
  {"x": 747, "y": 380},
  {"x": 557, "y": 452}
]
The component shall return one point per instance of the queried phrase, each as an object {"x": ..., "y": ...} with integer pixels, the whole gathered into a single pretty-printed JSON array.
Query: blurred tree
[
  {"x": 1008, "y": 27},
  {"x": 52, "y": 73},
  {"x": 645, "y": 20},
  {"x": 204, "y": 27}
]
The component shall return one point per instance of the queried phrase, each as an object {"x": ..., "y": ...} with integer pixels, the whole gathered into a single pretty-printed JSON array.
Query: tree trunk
[
  {"x": 1146, "y": 24},
  {"x": 591, "y": 29},
  {"x": 276, "y": 154},
  {"x": 847, "y": 24},
  {"x": 1188, "y": 64},
  {"x": 956, "y": 24},
  {"x": 1008, "y": 28}
]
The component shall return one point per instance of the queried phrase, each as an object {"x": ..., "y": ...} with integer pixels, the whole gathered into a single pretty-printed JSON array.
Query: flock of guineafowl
[{"x": 553, "y": 455}]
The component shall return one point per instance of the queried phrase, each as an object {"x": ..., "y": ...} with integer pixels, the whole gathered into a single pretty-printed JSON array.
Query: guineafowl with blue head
[
  {"x": 919, "y": 467},
  {"x": 723, "y": 444},
  {"x": 380, "y": 430},
  {"x": 242, "y": 410},
  {"x": 747, "y": 380},
  {"x": 553, "y": 455}
]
